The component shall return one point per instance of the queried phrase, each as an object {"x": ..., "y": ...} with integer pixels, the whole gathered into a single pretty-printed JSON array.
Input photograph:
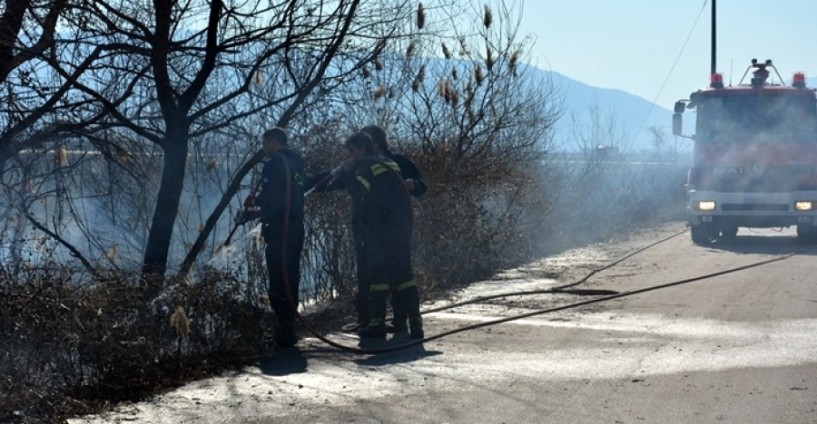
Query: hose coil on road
[{"x": 605, "y": 295}]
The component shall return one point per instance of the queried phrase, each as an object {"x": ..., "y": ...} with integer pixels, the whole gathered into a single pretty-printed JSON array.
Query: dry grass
[
  {"x": 69, "y": 349},
  {"x": 71, "y": 344}
]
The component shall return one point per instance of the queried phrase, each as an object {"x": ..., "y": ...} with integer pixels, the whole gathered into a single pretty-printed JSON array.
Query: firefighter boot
[
  {"x": 362, "y": 321},
  {"x": 407, "y": 304},
  {"x": 398, "y": 322},
  {"x": 285, "y": 336},
  {"x": 376, "y": 328},
  {"x": 362, "y": 307},
  {"x": 416, "y": 327}
]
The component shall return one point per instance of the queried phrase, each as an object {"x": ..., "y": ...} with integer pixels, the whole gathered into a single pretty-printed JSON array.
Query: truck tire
[
  {"x": 702, "y": 234},
  {"x": 729, "y": 233},
  {"x": 807, "y": 233}
]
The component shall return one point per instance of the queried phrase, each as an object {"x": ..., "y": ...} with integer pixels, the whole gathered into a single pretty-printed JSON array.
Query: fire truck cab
[{"x": 755, "y": 156}]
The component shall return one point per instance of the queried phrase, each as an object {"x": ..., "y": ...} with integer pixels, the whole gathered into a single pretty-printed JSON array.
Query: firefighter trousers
[{"x": 284, "y": 270}]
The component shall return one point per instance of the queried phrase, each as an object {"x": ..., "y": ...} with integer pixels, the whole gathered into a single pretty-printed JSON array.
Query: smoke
[{"x": 595, "y": 194}]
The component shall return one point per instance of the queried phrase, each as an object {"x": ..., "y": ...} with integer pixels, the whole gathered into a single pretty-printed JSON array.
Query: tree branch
[{"x": 74, "y": 252}]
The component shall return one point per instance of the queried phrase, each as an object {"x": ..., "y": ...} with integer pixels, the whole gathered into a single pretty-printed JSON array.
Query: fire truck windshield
[{"x": 758, "y": 117}]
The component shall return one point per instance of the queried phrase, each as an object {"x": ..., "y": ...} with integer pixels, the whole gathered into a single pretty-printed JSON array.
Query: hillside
[{"x": 634, "y": 114}]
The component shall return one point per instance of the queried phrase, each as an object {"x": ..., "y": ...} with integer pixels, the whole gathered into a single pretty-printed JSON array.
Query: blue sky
[{"x": 632, "y": 44}]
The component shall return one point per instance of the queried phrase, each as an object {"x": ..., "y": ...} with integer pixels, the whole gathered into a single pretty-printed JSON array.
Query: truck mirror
[
  {"x": 677, "y": 124},
  {"x": 679, "y": 107}
]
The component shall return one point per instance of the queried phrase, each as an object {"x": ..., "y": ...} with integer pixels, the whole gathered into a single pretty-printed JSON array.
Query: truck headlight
[
  {"x": 705, "y": 205},
  {"x": 804, "y": 205}
]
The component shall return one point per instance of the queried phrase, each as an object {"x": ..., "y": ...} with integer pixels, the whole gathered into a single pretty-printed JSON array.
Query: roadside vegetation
[{"x": 129, "y": 138}]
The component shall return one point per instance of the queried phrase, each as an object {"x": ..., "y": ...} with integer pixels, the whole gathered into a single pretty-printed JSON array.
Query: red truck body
[{"x": 755, "y": 157}]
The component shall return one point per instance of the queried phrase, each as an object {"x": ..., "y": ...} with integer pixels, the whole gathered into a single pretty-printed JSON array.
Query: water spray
[
  {"x": 242, "y": 217},
  {"x": 235, "y": 227},
  {"x": 247, "y": 213}
]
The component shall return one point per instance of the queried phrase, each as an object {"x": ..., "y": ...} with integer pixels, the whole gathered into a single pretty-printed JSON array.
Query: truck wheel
[
  {"x": 702, "y": 234},
  {"x": 729, "y": 233},
  {"x": 807, "y": 233}
]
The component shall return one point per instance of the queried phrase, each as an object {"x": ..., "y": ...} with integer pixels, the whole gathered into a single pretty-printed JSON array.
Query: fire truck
[{"x": 754, "y": 157}]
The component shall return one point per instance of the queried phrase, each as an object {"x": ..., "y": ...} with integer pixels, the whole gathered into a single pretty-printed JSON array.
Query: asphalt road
[{"x": 736, "y": 348}]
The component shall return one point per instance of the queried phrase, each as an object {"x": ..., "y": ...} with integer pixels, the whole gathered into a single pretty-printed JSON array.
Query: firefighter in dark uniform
[
  {"x": 416, "y": 186},
  {"x": 280, "y": 206},
  {"x": 382, "y": 215},
  {"x": 411, "y": 174}
]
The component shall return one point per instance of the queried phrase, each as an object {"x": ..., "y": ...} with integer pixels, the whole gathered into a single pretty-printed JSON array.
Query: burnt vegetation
[{"x": 129, "y": 137}]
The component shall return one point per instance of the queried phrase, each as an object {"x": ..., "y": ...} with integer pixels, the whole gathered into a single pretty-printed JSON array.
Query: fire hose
[
  {"x": 604, "y": 295},
  {"x": 293, "y": 305},
  {"x": 287, "y": 286},
  {"x": 241, "y": 218}
]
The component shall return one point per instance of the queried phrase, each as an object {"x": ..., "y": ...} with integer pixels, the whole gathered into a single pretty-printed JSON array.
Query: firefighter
[
  {"x": 416, "y": 186},
  {"x": 382, "y": 215},
  {"x": 411, "y": 174},
  {"x": 280, "y": 206}
]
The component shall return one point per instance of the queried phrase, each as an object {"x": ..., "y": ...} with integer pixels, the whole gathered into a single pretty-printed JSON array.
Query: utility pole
[{"x": 713, "y": 39}]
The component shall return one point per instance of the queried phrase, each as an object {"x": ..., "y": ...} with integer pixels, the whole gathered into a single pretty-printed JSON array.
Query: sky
[{"x": 639, "y": 45}]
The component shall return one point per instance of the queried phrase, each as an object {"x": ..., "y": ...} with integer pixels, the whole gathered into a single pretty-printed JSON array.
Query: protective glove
[
  {"x": 246, "y": 215},
  {"x": 249, "y": 202}
]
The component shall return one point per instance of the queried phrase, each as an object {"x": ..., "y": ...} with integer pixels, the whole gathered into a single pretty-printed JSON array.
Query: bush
[{"x": 68, "y": 349}]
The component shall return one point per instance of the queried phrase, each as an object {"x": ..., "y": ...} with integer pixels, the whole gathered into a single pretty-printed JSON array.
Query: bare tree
[
  {"x": 22, "y": 37},
  {"x": 597, "y": 136},
  {"x": 667, "y": 150},
  {"x": 35, "y": 104},
  {"x": 478, "y": 121},
  {"x": 38, "y": 107},
  {"x": 196, "y": 68}
]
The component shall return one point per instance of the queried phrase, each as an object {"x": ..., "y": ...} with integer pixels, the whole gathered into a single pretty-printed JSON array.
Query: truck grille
[
  {"x": 777, "y": 207},
  {"x": 773, "y": 179}
]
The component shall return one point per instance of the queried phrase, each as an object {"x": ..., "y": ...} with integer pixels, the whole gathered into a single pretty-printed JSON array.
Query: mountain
[{"x": 634, "y": 115}]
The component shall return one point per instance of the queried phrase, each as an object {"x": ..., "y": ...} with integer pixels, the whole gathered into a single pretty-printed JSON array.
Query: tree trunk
[{"x": 167, "y": 205}]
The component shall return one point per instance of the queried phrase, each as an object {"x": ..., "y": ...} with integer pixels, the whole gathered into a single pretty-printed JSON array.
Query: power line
[{"x": 672, "y": 69}]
